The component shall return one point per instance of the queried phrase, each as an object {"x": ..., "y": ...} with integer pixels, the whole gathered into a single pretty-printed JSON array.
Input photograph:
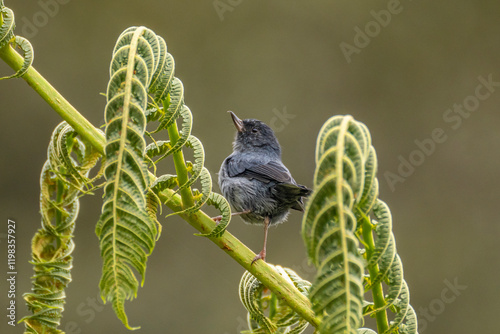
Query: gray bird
[{"x": 254, "y": 180}]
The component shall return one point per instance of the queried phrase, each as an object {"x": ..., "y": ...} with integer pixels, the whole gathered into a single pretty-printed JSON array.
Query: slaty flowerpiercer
[{"x": 255, "y": 181}]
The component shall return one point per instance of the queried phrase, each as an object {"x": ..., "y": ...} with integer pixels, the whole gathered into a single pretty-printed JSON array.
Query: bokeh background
[{"x": 263, "y": 59}]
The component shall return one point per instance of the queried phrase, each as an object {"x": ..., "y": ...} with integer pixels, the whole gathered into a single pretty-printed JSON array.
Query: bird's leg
[
  {"x": 218, "y": 218},
  {"x": 262, "y": 254}
]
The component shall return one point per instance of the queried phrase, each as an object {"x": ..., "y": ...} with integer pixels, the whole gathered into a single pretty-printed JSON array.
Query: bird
[{"x": 255, "y": 181}]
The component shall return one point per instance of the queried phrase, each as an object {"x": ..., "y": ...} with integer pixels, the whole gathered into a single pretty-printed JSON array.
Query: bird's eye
[{"x": 255, "y": 130}]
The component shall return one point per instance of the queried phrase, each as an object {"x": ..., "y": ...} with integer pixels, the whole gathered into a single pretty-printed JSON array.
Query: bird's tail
[{"x": 292, "y": 194}]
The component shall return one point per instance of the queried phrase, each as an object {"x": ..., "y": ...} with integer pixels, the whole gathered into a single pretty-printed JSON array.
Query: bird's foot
[
  {"x": 219, "y": 218},
  {"x": 260, "y": 256}
]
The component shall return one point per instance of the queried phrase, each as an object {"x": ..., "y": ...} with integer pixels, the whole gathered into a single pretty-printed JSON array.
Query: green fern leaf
[
  {"x": 200, "y": 197},
  {"x": 8, "y": 25},
  {"x": 63, "y": 180},
  {"x": 280, "y": 318},
  {"x": 366, "y": 331},
  {"x": 7, "y": 37},
  {"x": 329, "y": 225},
  {"x": 220, "y": 203},
  {"x": 337, "y": 216},
  {"x": 126, "y": 230},
  {"x": 390, "y": 272}
]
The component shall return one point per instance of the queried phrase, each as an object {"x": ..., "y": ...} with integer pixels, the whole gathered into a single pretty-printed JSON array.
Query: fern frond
[
  {"x": 7, "y": 37},
  {"x": 8, "y": 25},
  {"x": 160, "y": 148},
  {"x": 391, "y": 272},
  {"x": 329, "y": 226},
  {"x": 199, "y": 161},
  {"x": 126, "y": 230},
  {"x": 220, "y": 203},
  {"x": 337, "y": 216},
  {"x": 200, "y": 197},
  {"x": 280, "y": 318},
  {"x": 366, "y": 331},
  {"x": 63, "y": 176},
  {"x": 167, "y": 107},
  {"x": 167, "y": 181}
]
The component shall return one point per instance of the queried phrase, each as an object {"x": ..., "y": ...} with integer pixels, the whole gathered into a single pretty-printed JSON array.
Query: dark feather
[
  {"x": 271, "y": 171},
  {"x": 286, "y": 190},
  {"x": 254, "y": 179},
  {"x": 291, "y": 194}
]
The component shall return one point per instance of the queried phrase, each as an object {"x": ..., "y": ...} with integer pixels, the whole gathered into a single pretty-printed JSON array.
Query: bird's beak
[{"x": 238, "y": 123}]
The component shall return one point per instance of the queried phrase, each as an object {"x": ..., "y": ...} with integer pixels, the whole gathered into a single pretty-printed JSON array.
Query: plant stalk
[
  {"x": 199, "y": 220},
  {"x": 244, "y": 256},
  {"x": 377, "y": 289},
  {"x": 54, "y": 99},
  {"x": 180, "y": 165}
]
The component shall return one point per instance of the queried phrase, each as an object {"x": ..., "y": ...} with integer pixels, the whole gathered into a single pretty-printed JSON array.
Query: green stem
[
  {"x": 377, "y": 289},
  {"x": 244, "y": 256},
  {"x": 199, "y": 220},
  {"x": 54, "y": 99},
  {"x": 180, "y": 165}
]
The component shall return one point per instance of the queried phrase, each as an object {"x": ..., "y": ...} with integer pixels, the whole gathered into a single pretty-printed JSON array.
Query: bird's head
[{"x": 254, "y": 135}]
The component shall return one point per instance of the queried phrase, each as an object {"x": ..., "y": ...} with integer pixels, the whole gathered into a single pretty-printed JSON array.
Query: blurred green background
[{"x": 266, "y": 59}]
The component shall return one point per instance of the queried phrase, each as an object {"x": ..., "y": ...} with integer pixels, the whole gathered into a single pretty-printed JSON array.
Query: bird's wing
[
  {"x": 269, "y": 171},
  {"x": 285, "y": 188}
]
